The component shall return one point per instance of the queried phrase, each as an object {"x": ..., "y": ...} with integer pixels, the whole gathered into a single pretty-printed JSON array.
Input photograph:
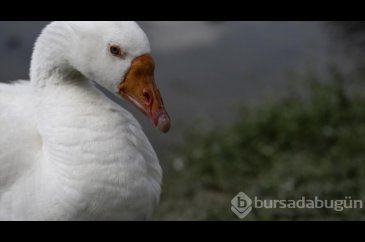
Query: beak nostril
[{"x": 147, "y": 97}]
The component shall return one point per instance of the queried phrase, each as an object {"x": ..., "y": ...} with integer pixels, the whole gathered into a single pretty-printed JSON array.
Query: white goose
[{"x": 67, "y": 152}]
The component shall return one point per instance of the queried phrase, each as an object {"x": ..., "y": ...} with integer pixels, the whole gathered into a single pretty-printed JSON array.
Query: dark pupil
[{"x": 115, "y": 50}]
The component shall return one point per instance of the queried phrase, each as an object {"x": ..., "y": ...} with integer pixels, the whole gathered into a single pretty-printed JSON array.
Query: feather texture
[{"x": 67, "y": 152}]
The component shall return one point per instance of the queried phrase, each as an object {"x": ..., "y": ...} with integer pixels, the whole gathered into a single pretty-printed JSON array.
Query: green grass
[{"x": 304, "y": 145}]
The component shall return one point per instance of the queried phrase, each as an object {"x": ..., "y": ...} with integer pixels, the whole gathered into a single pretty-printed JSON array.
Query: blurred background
[{"x": 273, "y": 109}]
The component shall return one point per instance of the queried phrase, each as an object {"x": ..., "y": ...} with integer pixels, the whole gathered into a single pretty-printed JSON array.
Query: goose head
[{"x": 117, "y": 56}]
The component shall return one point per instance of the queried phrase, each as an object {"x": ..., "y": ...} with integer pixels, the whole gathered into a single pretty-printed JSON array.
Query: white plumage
[{"x": 67, "y": 152}]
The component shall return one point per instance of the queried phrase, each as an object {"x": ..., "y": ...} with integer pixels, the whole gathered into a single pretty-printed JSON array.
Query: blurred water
[{"x": 205, "y": 70}]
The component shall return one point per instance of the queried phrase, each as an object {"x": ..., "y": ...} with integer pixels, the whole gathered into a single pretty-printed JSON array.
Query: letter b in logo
[{"x": 241, "y": 205}]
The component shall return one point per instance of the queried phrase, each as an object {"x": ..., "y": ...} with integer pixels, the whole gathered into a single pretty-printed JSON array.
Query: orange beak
[{"x": 139, "y": 87}]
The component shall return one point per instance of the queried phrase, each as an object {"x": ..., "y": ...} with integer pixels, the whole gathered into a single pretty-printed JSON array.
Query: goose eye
[{"x": 116, "y": 50}]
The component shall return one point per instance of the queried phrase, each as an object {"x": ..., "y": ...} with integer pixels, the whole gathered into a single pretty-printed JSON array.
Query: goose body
[{"x": 67, "y": 152}]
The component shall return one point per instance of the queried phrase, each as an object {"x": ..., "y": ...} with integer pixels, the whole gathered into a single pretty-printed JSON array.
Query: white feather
[{"x": 67, "y": 152}]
